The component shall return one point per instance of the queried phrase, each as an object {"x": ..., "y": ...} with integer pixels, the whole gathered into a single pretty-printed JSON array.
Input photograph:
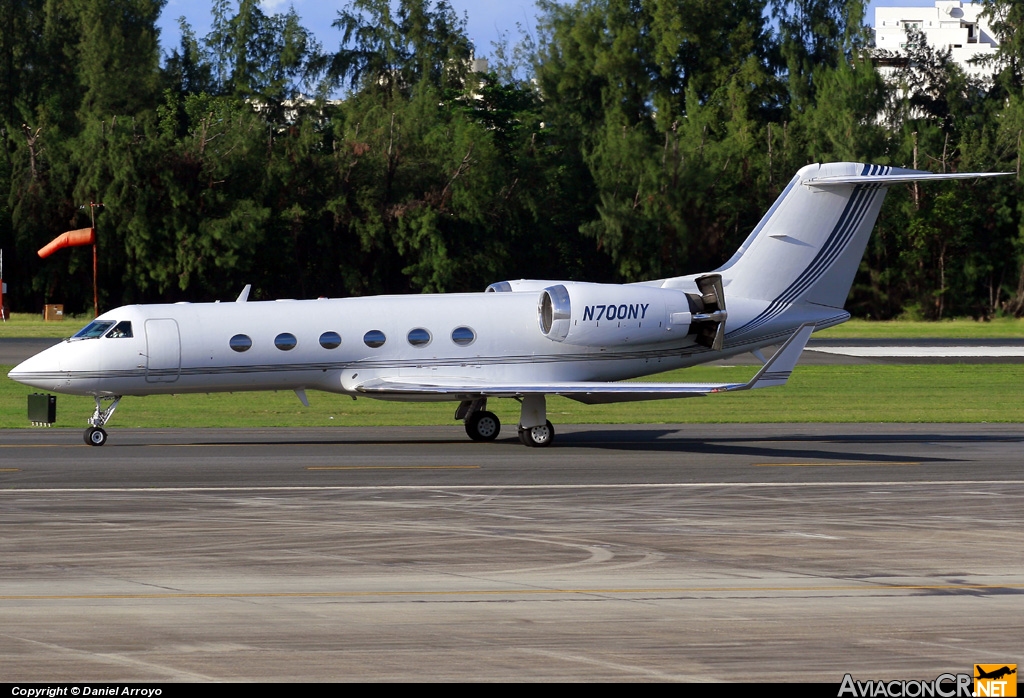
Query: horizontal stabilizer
[
  {"x": 775, "y": 372},
  {"x": 902, "y": 177}
]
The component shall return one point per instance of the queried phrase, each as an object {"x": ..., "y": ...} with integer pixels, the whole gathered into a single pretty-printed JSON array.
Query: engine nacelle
[{"x": 612, "y": 315}]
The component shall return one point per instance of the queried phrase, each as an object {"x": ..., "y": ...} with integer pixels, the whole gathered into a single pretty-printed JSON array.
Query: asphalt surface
[
  {"x": 700, "y": 553},
  {"x": 14, "y": 350}
]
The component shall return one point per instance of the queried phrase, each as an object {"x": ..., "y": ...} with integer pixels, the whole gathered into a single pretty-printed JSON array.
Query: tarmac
[{"x": 626, "y": 553}]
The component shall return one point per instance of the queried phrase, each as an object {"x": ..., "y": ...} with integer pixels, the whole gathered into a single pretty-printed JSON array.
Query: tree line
[{"x": 616, "y": 141}]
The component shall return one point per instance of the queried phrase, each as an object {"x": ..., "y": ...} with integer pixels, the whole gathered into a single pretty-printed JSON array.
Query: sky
[{"x": 487, "y": 19}]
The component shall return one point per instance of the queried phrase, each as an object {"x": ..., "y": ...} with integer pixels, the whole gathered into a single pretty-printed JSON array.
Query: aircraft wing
[{"x": 776, "y": 371}]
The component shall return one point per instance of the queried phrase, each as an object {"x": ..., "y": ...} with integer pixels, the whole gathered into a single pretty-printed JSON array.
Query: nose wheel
[{"x": 95, "y": 436}]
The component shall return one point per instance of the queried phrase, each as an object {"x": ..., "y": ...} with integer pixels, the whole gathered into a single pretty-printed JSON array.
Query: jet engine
[{"x": 611, "y": 315}]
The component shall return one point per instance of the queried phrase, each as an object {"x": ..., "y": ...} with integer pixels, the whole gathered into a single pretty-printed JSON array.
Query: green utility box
[{"x": 42, "y": 409}]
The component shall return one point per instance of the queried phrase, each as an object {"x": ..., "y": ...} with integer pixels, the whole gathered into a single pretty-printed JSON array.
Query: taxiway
[{"x": 701, "y": 553}]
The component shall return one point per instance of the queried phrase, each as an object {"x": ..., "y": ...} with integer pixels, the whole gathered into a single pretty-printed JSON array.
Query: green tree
[
  {"x": 669, "y": 123},
  {"x": 256, "y": 56},
  {"x": 395, "y": 49}
]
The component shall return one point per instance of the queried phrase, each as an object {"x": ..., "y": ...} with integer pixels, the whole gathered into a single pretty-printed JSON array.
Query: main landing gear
[
  {"x": 534, "y": 428},
  {"x": 483, "y": 426},
  {"x": 95, "y": 435},
  {"x": 541, "y": 435}
]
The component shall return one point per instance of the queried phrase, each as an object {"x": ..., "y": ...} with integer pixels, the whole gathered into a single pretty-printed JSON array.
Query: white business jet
[{"x": 523, "y": 339}]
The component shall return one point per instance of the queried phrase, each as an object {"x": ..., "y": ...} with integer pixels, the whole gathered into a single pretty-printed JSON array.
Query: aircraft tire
[
  {"x": 483, "y": 426},
  {"x": 537, "y": 437},
  {"x": 95, "y": 436}
]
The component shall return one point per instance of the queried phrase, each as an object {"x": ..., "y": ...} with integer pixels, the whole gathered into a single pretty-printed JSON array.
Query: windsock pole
[{"x": 95, "y": 287}]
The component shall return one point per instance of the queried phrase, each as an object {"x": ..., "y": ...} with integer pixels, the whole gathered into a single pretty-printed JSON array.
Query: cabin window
[
  {"x": 285, "y": 341},
  {"x": 463, "y": 336},
  {"x": 94, "y": 329},
  {"x": 374, "y": 339},
  {"x": 419, "y": 337},
  {"x": 330, "y": 340},
  {"x": 121, "y": 330},
  {"x": 240, "y": 342}
]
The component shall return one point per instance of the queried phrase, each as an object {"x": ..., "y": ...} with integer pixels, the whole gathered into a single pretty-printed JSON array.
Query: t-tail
[{"x": 808, "y": 246}]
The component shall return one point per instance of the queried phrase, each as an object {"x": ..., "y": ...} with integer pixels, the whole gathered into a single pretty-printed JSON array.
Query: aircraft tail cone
[{"x": 72, "y": 238}]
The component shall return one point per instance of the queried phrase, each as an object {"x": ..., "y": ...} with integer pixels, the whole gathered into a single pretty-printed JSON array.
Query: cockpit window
[
  {"x": 94, "y": 329},
  {"x": 122, "y": 329}
]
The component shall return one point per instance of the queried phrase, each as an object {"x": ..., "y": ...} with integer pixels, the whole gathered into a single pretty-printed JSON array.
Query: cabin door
[{"x": 163, "y": 351}]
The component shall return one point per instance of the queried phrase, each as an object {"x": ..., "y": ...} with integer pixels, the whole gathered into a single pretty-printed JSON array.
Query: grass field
[
  {"x": 999, "y": 328},
  {"x": 851, "y": 393},
  {"x": 32, "y": 325}
]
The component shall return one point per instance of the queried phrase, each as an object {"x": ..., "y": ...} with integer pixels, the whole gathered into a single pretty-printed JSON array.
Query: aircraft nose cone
[{"x": 39, "y": 371}]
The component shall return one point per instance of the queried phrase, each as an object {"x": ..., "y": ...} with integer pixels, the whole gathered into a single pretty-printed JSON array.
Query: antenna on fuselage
[{"x": 244, "y": 295}]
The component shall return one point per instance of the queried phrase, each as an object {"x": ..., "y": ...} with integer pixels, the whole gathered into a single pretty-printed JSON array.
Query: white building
[{"x": 951, "y": 24}]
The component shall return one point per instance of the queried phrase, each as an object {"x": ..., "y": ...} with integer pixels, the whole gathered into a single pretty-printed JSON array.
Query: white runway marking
[{"x": 474, "y": 488}]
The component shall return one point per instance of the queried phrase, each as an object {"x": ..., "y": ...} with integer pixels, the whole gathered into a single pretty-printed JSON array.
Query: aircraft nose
[{"x": 39, "y": 371}]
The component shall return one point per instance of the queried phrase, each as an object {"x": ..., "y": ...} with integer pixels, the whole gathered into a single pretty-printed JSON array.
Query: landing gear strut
[
  {"x": 95, "y": 435},
  {"x": 534, "y": 427}
]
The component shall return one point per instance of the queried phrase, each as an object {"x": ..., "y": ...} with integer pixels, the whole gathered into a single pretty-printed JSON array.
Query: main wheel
[
  {"x": 95, "y": 436},
  {"x": 538, "y": 436},
  {"x": 483, "y": 426}
]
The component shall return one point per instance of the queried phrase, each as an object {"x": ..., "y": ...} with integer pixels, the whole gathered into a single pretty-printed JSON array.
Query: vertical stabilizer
[{"x": 808, "y": 246}]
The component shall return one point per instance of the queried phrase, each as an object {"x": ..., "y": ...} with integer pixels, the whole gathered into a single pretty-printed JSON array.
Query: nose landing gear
[{"x": 95, "y": 435}]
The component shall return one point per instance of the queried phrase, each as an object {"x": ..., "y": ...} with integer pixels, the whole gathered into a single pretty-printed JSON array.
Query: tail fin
[{"x": 808, "y": 246}]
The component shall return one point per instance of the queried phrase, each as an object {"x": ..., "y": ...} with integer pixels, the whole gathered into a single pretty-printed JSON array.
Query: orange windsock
[{"x": 72, "y": 238}]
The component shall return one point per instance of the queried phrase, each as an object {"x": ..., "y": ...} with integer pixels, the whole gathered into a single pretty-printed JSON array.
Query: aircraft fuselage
[{"x": 285, "y": 345}]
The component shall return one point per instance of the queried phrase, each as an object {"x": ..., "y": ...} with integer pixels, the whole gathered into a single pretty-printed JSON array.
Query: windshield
[{"x": 94, "y": 329}]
